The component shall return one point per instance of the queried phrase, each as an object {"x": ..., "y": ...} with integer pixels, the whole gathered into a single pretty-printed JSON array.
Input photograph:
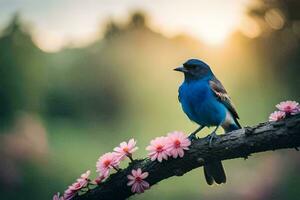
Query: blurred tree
[
  {"x": 86, "y": 87},
  {"x": 21, "y": 69},
  {"x": 138, "y": 20},
  {"x": 112, "y": 29},
  {"x": 279, "y": 42}
]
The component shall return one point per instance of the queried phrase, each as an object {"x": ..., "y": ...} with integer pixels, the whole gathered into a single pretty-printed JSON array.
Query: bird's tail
[
  {"x": 232, "y": 127},
  {"x": 214, "y": 172}
]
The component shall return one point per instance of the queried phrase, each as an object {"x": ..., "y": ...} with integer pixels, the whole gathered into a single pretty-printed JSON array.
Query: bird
[{"x": 205, "y": 101}]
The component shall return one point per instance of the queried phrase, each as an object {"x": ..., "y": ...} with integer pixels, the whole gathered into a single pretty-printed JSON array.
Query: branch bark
[{"x": 237, "y": 144}]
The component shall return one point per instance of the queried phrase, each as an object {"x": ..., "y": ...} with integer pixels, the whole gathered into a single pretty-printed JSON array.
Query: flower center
[
  {"x": 288, "y": 108},
  {"x": 177, "y": 143},
  {"x": 106, "y": 163},
  {"x": 159, "y": 148},
  {"x": 126, "y": 150},
  {"x": 77, "y": 185},
  {"x": 138, "y": 179}
]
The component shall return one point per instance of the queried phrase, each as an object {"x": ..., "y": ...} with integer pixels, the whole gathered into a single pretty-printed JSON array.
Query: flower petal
[{"x": 144, "y": 175}]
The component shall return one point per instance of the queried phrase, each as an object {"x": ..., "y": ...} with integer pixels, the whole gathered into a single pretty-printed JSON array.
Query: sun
[
  {"x": 212, "y": 28},
  {"x": 209, "y": 21},
  {"x": 214, "y": 31}
]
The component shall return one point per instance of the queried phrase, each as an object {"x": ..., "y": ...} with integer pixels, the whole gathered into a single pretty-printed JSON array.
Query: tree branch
[{"x": 237, "y": 144}]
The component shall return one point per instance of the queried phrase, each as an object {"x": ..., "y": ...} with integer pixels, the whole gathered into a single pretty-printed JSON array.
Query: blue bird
[{"x": 206, "y": 102}]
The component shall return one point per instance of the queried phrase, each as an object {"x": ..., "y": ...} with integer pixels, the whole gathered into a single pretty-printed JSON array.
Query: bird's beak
[{"x": 181, "y": 69}]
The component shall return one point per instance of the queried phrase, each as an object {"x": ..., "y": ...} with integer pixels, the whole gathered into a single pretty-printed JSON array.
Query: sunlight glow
[
  {"x": 215, "y": 29},
  {"x": 209, "y": 21},
  {"x": 249, "y": 27},
  {"x": 48, "y": 41}
]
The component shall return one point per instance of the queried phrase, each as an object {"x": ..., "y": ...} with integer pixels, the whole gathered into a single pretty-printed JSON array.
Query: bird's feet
[
  {"x": 211, "y": 137},
  {"x": 192, "y": 137},
  {"x": 193, "y": 134}
]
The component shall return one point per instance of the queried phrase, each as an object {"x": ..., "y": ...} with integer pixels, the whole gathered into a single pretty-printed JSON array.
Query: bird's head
[{"x": 194, "y": 69}]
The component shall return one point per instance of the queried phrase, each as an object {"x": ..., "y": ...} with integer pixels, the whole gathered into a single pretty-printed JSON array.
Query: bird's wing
[{"x": 222, "y": 96}]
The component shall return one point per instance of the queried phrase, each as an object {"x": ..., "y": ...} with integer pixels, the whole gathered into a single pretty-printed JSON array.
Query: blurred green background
[{"x": 78, "y": 77}]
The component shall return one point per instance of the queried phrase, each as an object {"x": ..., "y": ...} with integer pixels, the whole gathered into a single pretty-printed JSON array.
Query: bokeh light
[{"x": 275, "y": 18}]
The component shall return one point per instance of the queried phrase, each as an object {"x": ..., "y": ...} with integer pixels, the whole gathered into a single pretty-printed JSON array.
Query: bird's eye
[{"x": 191, "y": 67}]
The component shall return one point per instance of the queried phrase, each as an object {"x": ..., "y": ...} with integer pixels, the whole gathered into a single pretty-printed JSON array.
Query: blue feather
[{"x": 200, "y": 104}]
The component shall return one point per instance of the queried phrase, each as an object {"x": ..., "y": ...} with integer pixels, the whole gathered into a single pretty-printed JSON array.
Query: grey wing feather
[{"x": 223, "y": 97}]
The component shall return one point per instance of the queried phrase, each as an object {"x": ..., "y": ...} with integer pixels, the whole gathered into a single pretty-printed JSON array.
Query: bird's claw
[
  {"x": 192, "y": 137},
  {"x": 211, "y": 137}
]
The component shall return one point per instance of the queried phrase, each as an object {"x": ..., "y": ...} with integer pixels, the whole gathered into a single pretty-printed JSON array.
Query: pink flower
[
  {"x": 99, "y": 179},
  {"x": 69, "y": 193},
  {"x": 289, "y": 107},
  {"x": 57, "y": 197},
  {"x": 85, "y": 176},
  {"x": 276, "y": 116},
  {"x": 106, "y": 162},
  {"x": 158, "y": 149},
  {"x": 178, "y": 142},
  {"x": 80, "y": 183},
  {"x": 126, "y": 149},
  {"x": 138, "y": 185},
  {"x": 84, "y": 179}
]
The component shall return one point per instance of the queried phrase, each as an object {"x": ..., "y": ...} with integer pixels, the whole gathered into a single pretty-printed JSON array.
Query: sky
[{"x": 59, "y": 22}]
